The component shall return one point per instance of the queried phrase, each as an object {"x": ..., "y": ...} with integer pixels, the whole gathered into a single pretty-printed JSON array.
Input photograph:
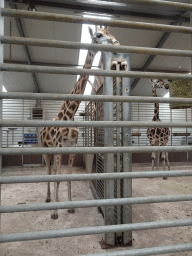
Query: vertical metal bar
[
  {"x": 108, "y": 158},
  {"x": 171, "y": 127},
  {"x": 127, "y": 157},
  {"x": 1, "y": 86},
  {"x": 118, "y": 144}
]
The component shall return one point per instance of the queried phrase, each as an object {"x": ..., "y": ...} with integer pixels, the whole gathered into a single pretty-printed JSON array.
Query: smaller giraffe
[{"x": 159, "y": 135}]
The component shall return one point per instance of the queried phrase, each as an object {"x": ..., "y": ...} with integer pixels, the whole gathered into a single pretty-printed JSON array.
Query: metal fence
[{"x": 125, "y": 149}]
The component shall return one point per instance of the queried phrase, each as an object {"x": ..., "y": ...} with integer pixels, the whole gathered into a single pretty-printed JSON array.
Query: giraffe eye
[{"x": 99, "y": 35}]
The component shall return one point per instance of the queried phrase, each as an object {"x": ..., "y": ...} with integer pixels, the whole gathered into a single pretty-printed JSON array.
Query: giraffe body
[
  {"x": 64, "y": 136},
  {"x": 158, "y": 136}
]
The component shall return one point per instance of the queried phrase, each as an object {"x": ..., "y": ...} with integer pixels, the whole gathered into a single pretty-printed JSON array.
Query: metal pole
[
  {"x": 32, "y": 123},
  {"x": 77, "y": 71},
  {"x": 118, "y": 144},
  {"x": 95, "y": 47},
  {"x": 93, "y": 176},
  {"x": 93, "y": 203},
  {"x": 113, "y": 98},
  {"x": 85, "y": 20},
  {"x": 127, "y": 157},
  {"x": 108, "y": 142},
  {"x": 93, "y": 230},
  {"x": 1, "y": 87},
  {"x": 147, "y": 251}
]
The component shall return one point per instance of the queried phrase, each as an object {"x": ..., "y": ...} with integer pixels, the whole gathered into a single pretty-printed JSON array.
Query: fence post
[
  {"x": 1, "y": 86},
  {"x": 127, "y": 157},
  {"x": 109, "y": 213}
]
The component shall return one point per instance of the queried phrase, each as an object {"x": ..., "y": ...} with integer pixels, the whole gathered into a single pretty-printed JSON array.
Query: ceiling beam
[
  {"x": 94, "y": 7},
  {"x": 151, "y": 57},
  {"x": 22, "y": 34}
]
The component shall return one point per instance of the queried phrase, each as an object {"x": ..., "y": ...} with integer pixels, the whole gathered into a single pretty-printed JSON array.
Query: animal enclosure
[{"x": 140, "y": 209}]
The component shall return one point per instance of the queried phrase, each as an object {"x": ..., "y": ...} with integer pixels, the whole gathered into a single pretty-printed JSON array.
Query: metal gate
[{"x": 109, "y": 149}]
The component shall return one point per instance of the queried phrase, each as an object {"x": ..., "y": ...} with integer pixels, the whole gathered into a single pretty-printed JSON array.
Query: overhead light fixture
[{"x": 32, "y": 8}]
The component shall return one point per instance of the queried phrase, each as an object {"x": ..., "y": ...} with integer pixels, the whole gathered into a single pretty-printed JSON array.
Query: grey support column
[
  {"x": 1, "y": 86},
  {"x": 127, "y": 157},
  {"x": 108, "y": 142}
]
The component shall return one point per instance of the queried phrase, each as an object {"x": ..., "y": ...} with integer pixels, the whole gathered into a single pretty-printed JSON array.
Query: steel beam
[
  {"x": 109, "y": 215},
  {"x": 98, "y": 47},
  {"x": 93, "y": 150},
  {"x": 106, "y": 124},
  {"x": 151, "y": 57},
  {"x": 55, "y": 96},
  {"x": 127, "y": 157},
  {"x": 1, "y": 87},
  {"x": 93, "y": 203},
  {"x": 22, "y": 34},
  {"x": 92, "y": 176},
  {"x": 71, "y": 71},
  {"x": 147, "y": 251},
  {"x": 99, "y": 21},
  {"x": 93, "y": 230}
]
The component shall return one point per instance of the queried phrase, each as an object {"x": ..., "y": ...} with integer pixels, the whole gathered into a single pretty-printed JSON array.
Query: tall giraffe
[
  {"x": 67, "y": 137},
  {"x": 158, "y": 135}
]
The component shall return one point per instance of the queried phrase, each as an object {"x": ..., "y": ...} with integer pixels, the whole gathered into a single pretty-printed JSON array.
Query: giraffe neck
[
  {"x": 69, "y": 108},
  {"x": 156, "y": 107}
]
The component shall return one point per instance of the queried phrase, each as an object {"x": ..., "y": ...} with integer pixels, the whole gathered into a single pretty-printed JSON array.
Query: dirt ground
[{"x": 38, "y": 221}]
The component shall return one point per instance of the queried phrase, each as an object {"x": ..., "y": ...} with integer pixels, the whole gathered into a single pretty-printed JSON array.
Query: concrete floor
[{"x": 37, "y": 221}]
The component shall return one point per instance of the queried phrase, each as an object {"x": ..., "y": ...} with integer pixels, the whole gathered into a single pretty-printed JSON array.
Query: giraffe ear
[{"x": 90, "y": 32}]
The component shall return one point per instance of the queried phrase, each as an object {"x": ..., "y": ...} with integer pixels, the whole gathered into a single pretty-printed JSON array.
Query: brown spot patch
[
  {"x": 60, "y": 115},
  {"x": 45, "y": 144},
  {"x": 70, "y": 115},
  {"x": 58, "y": 134},
  {"x": 72, "y": 106},
  {"x": 65, "y": 131},
  {"x": 74, "y": 134},
  {"x": 52, "y": 132}
]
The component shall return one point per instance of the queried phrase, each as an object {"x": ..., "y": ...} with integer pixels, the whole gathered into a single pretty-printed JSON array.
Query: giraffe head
[
  {"x": 102, "y": 36},
  {"x": 160, "y": 83}
]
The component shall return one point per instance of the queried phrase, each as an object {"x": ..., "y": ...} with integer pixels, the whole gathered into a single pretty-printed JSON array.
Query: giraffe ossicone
[{"x": 64, "y": 136}]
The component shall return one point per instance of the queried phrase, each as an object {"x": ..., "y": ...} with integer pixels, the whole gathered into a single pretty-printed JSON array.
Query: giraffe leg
[
  {"x": 57, "y": 165},
  {"x": 48, "y": 164},
  {"x": 153, "y": 160},
  {"x": 164, "y": 157},
  {"x": 153, "y": 154},
  {"x": 70, "y": 164},
  {"x": 167, "y": 159},
  {"x": 157, "y": 158}
]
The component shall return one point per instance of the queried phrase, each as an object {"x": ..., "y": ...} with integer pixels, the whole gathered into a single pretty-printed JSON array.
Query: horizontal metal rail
[
  {"x": 55, "y": 96},
  {"x": 164, "y": 4},
  {"x": 85, "y": 20},
  {"x": 93, "y": 203},
  {"x": 92, "y": 176},
  {"x": 77, "y": 71},
  {"x": 45, "y": 123},
  {"x": 97, "y": 176},
  {"x": 96, "y": 47},
  {"x": 147, "y": 251},
  {"x": 93, "y": 150},
  {"x": 92, "y": 230}
]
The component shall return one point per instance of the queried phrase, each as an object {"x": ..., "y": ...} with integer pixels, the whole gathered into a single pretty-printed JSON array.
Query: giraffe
[
  {"x": 159, "y": 135},
  {"x": 67, "y": 137}
]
